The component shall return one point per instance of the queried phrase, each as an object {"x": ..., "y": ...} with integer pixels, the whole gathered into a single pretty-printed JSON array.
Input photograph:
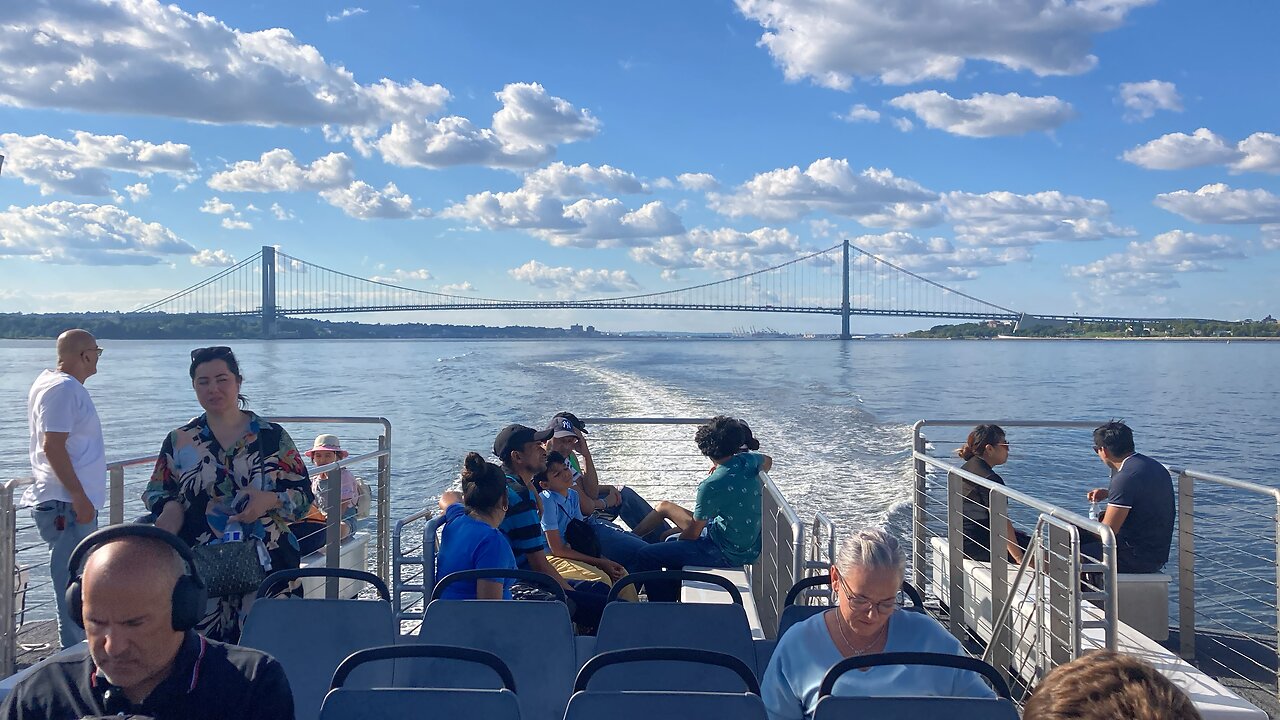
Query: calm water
[{"x": 835, "y": 416}]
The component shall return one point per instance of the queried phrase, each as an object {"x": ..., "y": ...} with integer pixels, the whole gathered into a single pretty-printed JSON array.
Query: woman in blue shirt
[
  {"x": 471, "y": 539},
  {"x": 866, "y": 577}
]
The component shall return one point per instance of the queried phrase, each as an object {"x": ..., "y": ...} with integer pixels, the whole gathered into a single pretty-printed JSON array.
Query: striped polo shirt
[{"x": 522, "y": 526}]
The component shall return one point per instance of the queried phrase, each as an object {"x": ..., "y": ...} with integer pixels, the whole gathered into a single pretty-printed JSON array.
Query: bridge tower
[
  {"x": 844, "y": 295},
  {"x": 268, "y": 292}
]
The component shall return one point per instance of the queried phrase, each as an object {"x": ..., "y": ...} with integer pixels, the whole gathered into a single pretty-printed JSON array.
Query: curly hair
[
  {"x": 1104, "y": 685},
  {"x": 722, "y": 437}
]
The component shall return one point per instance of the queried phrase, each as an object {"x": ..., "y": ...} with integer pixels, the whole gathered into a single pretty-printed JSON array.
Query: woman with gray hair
[{"x": 866, "y": 579}]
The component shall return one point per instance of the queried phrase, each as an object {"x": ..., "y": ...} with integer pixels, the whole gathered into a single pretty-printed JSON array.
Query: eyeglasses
[
  {"x": 97, "y": 351},
  {"x": 1096, "y": 448},
  {"x": 1003, "y": 445},
  {"x": 860, "y": 604},
  {"x": 209, "y": 353}
]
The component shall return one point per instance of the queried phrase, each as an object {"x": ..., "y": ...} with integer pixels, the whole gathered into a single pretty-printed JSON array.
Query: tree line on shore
[
  {"x": 159, "y": 326},
  {"x": 1267, "y": 327}
]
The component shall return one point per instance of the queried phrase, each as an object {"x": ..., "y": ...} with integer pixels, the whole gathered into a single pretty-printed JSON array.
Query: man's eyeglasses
[
  {"x": 1096, "y": 448},
  {"x": 210, "y": 353},
  {"x": 97, "y": 351},
  {"x": 860, "y": 604}
]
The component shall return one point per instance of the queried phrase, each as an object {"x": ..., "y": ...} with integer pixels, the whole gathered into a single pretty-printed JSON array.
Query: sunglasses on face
[{"x": 205, "y": 354}]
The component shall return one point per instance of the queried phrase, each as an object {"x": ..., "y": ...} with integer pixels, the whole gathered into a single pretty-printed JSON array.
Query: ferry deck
[{"x": 380, "y": 646}]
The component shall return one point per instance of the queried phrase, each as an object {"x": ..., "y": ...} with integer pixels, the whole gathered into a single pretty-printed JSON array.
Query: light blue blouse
[{"x": 806, "y": 652}]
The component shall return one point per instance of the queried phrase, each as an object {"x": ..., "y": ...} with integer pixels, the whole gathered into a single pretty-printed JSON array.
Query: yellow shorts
[{"x": 574, "y": 570}]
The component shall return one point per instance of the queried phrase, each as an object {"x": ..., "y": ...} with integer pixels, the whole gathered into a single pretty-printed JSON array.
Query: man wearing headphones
[{"x": 137, "y": 597}]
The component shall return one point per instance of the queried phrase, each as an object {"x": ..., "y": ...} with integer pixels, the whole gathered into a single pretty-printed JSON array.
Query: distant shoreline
[{"x": 1180, "y": 338}]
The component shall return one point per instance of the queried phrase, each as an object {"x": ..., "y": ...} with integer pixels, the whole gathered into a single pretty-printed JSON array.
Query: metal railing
[
  {"x": 1228, "y": 611},
  {"x": 22, "y": 549},
  {"x": 782, "y": 556},
  {"x": 1031, "y": 622}
]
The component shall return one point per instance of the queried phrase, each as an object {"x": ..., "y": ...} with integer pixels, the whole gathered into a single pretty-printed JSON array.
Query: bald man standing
[
  {"x": 68, "y": 461},
  {"x": 138, "y": 663}
]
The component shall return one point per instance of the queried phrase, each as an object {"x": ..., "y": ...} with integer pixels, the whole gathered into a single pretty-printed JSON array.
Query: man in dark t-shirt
[
  {"x": 1140, "y": 506},
  {"x": 137, "y": 662}
]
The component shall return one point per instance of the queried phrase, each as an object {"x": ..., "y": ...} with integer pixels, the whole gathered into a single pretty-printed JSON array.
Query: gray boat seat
[
  {"x": 344, "y": 703},
  {"x": 640, "y": 705},
  {"x": 832, "y": 707},
  {"x": 535, "y": 639},
  {"x": 722, "y": 628},
  {"x": 401, "y": 703},
  {"x": 310, "y": 637}
]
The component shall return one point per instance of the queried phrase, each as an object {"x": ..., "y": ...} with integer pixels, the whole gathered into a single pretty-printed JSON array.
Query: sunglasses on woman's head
[{"x": 210, "y": 353}]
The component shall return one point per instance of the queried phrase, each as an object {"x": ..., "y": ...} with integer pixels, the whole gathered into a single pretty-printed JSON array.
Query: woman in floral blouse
[{"x": 224, "y": 458}]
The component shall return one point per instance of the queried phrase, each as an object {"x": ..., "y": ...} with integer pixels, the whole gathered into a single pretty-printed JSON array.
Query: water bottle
[{"x": 1093, "y": 510}]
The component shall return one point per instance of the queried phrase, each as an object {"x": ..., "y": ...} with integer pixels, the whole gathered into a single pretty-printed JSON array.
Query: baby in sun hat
[{"x": 326, "y": 449}]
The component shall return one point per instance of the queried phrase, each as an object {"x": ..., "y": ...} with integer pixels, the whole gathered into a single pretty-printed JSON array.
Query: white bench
[
  {"x": 694, "y": 591},
  {"x": 355, "y": 556},
  {"x": 1214, "y": 701}
]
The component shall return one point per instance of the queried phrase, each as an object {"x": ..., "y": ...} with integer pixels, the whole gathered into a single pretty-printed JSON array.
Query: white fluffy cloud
[
  {"x": 829, "y": 185},
  {"x": 235, "y": 223},
  {"x": 280, "y": 212},
  {"x": 138, "y": 191},
  {"x": 82, "y": 166},
  {"x": 1220, "y": 204},
  {"x": 279, "y": 171},
  {"x": 346, "y": 13},
  {"x": 145, "y": 57},
  {"x": 564, "y": 181},
  {"x": 213, "y": 258},
  {"x": 525, "y": 133},
  {"x": 566, "y": 280},
  {"x": 934, "y": 257},
  {"x": 398, "y": 276},
  {"x": 1004, "y": 219},
  {"x": 86, "y": 234},
  {"x": 462, "y": 287},
  {"x": 1260, "y": 152},
  {"x": 362, "y": 201},
  {"x": 700, "y": 182},
  {"x": 723, "y": 250},
  {"x": 860, "y": 113},
  {"x": 833, "y": 42},
  {"x": 1141, "y": 100},
  {"x": 544, "y": 206},
  {"x": 986, "y": 114},
  {"x": 215, "y": 206},
  {"x": 1152, "y": 265}
]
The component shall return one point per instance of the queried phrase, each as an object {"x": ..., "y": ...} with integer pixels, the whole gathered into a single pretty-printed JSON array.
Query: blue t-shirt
[
  {"x": 558, "y": 510},
  {"x": 1144, "y": 486},
  {"x": 805, "y": 653},
  {"x": 469, "y": 544}
]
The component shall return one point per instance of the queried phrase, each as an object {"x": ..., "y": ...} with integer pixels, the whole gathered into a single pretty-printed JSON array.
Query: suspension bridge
[{"x": 843, "y": 280}]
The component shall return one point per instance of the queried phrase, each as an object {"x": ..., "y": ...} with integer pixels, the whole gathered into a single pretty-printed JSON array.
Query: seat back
[
  {"x": 721, "y": 628},
  {"x": 668, "y": 658},
  {"x": 535, "y": 640},
  {"x": 792, "y": 613},
  {"x": 913, "y": 708},
  {"x": 651, "y": 705},
  {"x": 344, "y": 703},
  {"x": 311, "y": 637},
  {"x": 432, "y": 704}
]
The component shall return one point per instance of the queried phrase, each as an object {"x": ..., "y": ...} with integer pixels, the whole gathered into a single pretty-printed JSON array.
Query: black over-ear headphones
[{"x": 189, "y": 594}]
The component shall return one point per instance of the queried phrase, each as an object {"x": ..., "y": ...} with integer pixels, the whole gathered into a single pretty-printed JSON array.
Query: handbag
[
  {"x": 229, "y": 568},
  {"x": 582, "y": 538}
]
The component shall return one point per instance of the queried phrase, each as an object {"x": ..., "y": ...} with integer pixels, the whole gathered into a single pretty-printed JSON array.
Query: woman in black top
[{"x": 985, "y": 448}]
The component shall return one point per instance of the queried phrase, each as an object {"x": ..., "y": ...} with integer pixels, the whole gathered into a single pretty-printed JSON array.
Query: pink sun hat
[{"x": 327, "y": 442}]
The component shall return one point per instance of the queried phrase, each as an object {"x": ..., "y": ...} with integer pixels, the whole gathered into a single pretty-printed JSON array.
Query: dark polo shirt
[
  {"x": 1144, "y": 487},
  {"x": 209, "y": 681}
]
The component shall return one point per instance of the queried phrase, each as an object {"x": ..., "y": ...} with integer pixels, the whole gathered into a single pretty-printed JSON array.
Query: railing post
[
  {"x": 1186, "y": 567},
  {"x": 1001, "y": 637},
  {"x": 8, "y": 564},
  {"x": 955, "y": 561},
  {"x": 384, "y": 501},
  {"x": 333, "y": 530},
  {"x": 117, "y": 494},
  {"x": 919, "y": 531}
]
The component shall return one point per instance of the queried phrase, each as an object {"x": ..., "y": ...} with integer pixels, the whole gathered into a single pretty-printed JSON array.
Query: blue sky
[{"x": 1052, "y": 156}]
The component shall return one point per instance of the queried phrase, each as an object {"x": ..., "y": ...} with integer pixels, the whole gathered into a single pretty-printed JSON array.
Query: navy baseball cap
[{"x": 514, "y": 437}]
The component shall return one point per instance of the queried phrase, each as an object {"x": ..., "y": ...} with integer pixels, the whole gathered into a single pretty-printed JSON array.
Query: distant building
[
  {"x": 1268, "y": 320},
  {"x": 575, "y": 328},
  {"x": 591, "y": 329}
]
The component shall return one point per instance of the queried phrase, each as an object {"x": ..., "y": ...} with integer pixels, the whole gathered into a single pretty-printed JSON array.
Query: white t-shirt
[{"x": 60, "y": 403}]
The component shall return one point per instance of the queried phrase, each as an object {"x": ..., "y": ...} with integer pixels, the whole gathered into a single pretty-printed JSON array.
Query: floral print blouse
[{"x": 205, "y": 478}]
